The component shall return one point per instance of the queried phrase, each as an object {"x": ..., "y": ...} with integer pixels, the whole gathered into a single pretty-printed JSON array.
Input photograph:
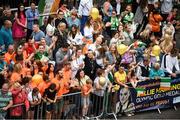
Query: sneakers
[
  {"x": 129, "y": 114},
  {"x": 85, "y": 118}
]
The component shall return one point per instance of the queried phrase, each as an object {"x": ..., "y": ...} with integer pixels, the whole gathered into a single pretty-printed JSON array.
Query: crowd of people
[{"x": 72, "y": 51}]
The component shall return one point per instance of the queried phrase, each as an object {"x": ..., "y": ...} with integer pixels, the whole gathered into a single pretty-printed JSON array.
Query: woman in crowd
[
  {"x": 74, "y": 36},
  {"x": 16, "y": 75},
  {"x": 50, "y": 98},
  {"x": 19, "y": 26},
  {"x": 111, "y": 55},
  {"x": 88, "y": 29},
  {"x": 101, "y": 84},
  {"x": 81, "y": 77},
  {"x": 107, "y": 10},
  {"x": 34, "y": 98},
  {"x": 100, "y": 56},
  {"x": 19, "y": 97},
  {"x": 154, "y": 20},
  {"x": 77, "y": 62},
  {"x": 166, "y": 44},
  {"x": 156, "y": 72},
  {"x": 50, "y": 71}
]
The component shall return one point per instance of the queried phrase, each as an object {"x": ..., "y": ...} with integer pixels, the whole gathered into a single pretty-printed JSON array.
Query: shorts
[
  {"x": 85, "y": 101},
  {"x": 50, "y": 107},
  {"x": 31, "y": 108}
]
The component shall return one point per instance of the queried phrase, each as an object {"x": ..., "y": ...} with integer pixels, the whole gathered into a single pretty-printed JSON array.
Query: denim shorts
[
  {"x": 50, "y": 107},
  {"x": 85, "y": 101}
]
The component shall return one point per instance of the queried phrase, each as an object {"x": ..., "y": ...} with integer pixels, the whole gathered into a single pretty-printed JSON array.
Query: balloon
[
  {"x": 156, "y": 50},
  {"x": 94, "y": 13},
  {"x": 102, "y": 81},
  {"x": 121, "y": 49},
  {"x": 116, "y": 87},
  {"x": 37, "y": 79}
]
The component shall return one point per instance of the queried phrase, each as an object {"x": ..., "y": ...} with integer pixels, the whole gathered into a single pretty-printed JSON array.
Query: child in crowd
[{"x": 86, "y": 90}]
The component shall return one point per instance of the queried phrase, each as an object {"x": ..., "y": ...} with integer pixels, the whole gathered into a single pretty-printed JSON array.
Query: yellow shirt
[{"x": 120, "y": 76}]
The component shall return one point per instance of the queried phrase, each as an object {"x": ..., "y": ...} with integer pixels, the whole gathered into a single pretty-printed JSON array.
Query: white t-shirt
[
  {"x": 33, "y": 98},
  {"x": 88, "y": 32},
  {"x": 100, "y": 92}
]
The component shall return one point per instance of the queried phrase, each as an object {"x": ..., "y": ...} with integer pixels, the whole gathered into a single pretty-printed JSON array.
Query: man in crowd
[
  {"x": 170, "y": 63},
  {"x": 6, "y": 35},
  {"x": 37, "y": 33},
  {"x": 32, "y": 16},
  {"x": 143, "y": 69},
  {"x": 5, "y": 100},
  {"x": 85, "y": 7}
]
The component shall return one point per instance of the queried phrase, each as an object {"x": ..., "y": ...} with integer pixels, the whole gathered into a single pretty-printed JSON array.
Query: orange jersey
[
  {"x": 85, "y": 90},
  {"x": 154, "y": 21},
  {"x": 15, "y": 77},
  {"x": 8, "y": 57},
  {"x": 42, "y": 86}
]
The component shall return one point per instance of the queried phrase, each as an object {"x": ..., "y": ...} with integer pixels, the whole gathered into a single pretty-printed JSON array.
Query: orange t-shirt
[
  {"x": 42, "y": 86},
  {"x": 85, "y": 89},
  {"x": 64, "y": 88},
  {"x": 24, "y": 71},
  {"x": 8, "y": 57},
  {"x": 15, "y": 77},
  {"x": 60, "y": 86},
  {"x": 67, "y": 75},
  {"x": 154, "y": 21},
  {"x": 55, "y": 81}
]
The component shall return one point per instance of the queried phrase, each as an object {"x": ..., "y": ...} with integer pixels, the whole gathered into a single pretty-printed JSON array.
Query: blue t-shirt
[
  {"x": 37, "y": 36},
  {"x": 6, "y": 37},
  {"x": 71, "y": 22}
]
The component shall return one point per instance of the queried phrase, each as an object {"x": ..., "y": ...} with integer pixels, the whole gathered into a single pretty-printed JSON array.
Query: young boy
[{"x": 86, "y": 90}]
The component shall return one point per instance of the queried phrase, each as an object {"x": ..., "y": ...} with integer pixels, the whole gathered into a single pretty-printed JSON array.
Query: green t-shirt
[
  {"x": 114, "y": 23},
  {"x": 38, "y": 55}
]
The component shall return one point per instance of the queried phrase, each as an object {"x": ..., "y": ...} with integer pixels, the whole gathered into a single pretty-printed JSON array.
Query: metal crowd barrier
[{"x": 69, "y": 106}]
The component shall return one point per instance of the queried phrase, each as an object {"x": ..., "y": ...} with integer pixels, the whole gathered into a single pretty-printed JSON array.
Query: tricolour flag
[
  {"x": 165, "y": 83},
  {"x": 48, "y": 7},
  {"x": 140, "y": 91}
]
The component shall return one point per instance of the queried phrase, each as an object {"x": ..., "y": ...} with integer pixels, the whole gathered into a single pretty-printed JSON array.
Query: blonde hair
[
  {"x": 167, "y": 43},
  {"x": 168, "y": 31},
  {"x": 17, "y": 68},
  {"x": 16, "y": 85},
  {"x": 146, "y": 32}
]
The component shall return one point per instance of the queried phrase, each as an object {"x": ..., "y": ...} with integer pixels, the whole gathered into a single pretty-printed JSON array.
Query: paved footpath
[{"x": 169, "y": 113}]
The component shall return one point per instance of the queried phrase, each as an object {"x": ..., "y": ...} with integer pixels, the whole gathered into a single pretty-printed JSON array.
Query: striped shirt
[{"x": 4, "y": 101}]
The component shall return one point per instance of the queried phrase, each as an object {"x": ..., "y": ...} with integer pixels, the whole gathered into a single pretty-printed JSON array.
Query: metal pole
[
  {"x": 159, "y": 111},
  {"x": 175, "y": 108}
]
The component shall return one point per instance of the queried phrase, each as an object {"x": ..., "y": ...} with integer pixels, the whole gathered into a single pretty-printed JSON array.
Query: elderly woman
[{"x": 156, "y": 72}]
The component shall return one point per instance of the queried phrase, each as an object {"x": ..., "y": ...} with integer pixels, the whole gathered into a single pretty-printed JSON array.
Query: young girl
[
  {"x": 50, "y": 98},
  {"x": 86, "y": 90},
  {"x": 34, "y": 98}
]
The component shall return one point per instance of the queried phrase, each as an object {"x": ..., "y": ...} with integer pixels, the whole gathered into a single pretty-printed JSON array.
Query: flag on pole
[{"x": 47, "y": 7}]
